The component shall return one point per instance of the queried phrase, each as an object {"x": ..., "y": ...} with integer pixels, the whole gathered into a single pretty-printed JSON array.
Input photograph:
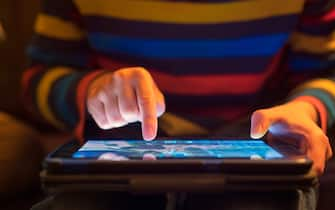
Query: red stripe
[
  {"x": 225, "y": 113},
  {"x": 28, "y": 75},
  {"x": 26, "y": 93},
  {"x": 204, "y": 85},
  {"x": 81, "y": 102},
  {"x": 328, "y": 17}
]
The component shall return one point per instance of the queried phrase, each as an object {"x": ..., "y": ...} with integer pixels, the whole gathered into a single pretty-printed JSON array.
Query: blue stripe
[
  {"x": 197, "y": 66},
  {"x": 308, "y": 64},
  {"x": 151, "y": 48},
  {"x": 57, "y": 58},
  {"x": 155, "y": 30},
  {"x": 59, "y": 95},
  {"x": 58, "y": 45}
]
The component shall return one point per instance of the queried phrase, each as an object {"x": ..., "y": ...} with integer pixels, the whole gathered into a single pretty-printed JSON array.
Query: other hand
[{"x": 295, "y": 123}]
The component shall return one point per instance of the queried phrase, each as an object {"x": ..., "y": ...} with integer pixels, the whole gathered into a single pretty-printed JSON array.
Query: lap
[
  {"x": 20, "y": 156},
  {"x": 101, "y": 201},
  {"x": 288, "y": 200}
]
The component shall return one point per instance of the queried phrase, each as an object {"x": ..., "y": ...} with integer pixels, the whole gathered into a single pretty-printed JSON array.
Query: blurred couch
[
  {"x": 17, "y": 17},
  {"x": 20, "y": 151}
]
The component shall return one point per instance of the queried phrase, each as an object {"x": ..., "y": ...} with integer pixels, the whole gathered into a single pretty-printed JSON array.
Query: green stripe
[{"x": 326, "y": 98}]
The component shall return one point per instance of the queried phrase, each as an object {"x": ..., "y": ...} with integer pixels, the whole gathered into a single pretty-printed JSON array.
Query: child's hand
[
  {"x": 125, "y": 96},
  {"x": 294, "y": 123}
]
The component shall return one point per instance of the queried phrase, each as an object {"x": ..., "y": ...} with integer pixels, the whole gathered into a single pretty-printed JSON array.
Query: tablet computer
[
  {"x": 111, "y": 156},
  {"x": 176, "y": 165}
]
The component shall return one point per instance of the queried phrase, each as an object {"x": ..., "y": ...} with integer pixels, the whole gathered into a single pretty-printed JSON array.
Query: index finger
[{"x": 147, "y": 107}]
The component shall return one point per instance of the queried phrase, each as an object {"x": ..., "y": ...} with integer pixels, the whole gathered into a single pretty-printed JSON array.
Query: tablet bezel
[{"x": 60, "y": 162}]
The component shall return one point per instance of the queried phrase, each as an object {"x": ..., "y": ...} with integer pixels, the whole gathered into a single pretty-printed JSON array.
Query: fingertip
[
  {"x": 148, "y": 137},
  {"x": 259, "y": 125},
  {"x": 257, "y": 130},
  {"x": 256, "y": 135},
  {"x": 149, "y": 129}
]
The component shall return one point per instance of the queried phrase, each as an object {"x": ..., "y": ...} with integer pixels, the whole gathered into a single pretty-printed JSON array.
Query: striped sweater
[{"x": 221, "y": 58}]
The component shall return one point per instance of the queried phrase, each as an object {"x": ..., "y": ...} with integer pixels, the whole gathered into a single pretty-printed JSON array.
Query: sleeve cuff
[{"x": 81, "y": 102}]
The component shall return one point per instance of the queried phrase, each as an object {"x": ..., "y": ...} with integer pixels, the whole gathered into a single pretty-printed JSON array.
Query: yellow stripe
[
  {"x": 324, "y": 84},
  {"x": 43, "y": 91},
  {"x": 189, "y": 12},
  {"x": 54, "y": 27},
  {"x": 313, "y": 44}
]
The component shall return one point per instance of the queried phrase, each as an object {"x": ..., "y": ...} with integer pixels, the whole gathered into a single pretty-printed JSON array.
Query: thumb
[{"x": 260, "y": 123}]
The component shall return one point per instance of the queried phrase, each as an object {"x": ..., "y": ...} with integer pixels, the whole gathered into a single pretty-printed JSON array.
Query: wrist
[
  {"x": 314, "y": 108},
  {"x": 81, "y": 101}
]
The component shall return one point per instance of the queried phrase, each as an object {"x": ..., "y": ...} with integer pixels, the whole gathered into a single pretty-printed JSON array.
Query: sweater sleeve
[
  {"x": 61, "y": 67},
  {"x": 312, "y": 50}
]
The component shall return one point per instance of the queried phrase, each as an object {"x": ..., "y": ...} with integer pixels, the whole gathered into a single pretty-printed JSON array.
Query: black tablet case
[{"x": 54, "y": 181}]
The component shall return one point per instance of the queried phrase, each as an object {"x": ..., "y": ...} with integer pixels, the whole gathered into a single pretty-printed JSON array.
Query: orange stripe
[
  {"x": 320, "y": 108},
  {"x": 204, "y": 85},
  {"x": 81, "y": 103}
]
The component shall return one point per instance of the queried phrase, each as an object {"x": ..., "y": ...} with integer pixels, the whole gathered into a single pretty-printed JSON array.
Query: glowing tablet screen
[{"x": 176, "y": 149}]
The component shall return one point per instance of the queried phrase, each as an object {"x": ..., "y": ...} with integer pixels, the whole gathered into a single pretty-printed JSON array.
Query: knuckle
[
  {"x": 259, "y": 114},
  {"x": 103, "y": 96},
  {"x": 115, "y": 119},
  {"x": 92, "y": 104},
  {"x": 140, "y": 73},
  {"x": 145, "y": 100},
  {"x": 120, "y": 74},
  {"x": 129, "y": 110},
  {"x": 139, "y": 70},
  {"x": 92, "y": 99},
  {"x": 150, "y": 115}
]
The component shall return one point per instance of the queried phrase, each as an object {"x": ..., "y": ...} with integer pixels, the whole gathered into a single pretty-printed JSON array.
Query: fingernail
[
  {"x": 259, "y": 133},
  {"x": 149, "y": 134},
  {"x": 149, "y": 157}
]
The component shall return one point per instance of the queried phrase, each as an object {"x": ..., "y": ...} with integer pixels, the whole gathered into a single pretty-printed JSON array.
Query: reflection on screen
[{"x": 176, "y": 149}]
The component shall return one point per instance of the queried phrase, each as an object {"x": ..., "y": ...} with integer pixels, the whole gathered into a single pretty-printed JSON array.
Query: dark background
[{"x": 17, "y": 17}]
